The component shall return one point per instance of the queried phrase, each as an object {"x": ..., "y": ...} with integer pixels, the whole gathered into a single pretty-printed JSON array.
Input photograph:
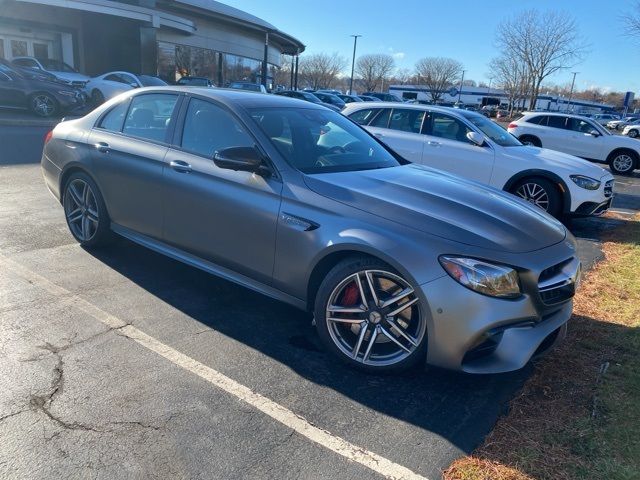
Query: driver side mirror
[
  {"x": 245, "y": 159},
  {"x": 593, "y": 133},
  {"x": 133, "y": 85},
  {"x": 476, "y": 138}
]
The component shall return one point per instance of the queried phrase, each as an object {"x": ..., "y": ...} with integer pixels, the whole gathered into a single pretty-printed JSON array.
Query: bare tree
[
  {"x": 437, "y": 74},
  {"x": 469, "y": 83},
  {"x": 544, "y": 42},
  {"x": 321, "y": 70},
  {"x": 403, "y": 76},
  {"x": 631, "y": 21},
  {"x": 512, "y": 75},
  {"x": 374, "y": 69}
]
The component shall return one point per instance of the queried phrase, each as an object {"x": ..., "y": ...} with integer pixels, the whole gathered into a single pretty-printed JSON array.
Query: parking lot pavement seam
[{"x": 286, "y": 417}]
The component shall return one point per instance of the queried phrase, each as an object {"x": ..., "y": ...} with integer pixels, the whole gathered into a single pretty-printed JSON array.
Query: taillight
[
  {"x": 512, "y": 125},
  {"x": 48, "y": 136}
]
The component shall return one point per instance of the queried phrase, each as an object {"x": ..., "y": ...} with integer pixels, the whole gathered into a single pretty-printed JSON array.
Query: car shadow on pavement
[{"x": 458, "y": 407}]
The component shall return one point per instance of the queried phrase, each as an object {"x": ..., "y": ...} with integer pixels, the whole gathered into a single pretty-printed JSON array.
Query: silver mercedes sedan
[{"x": 400, "y": 264}]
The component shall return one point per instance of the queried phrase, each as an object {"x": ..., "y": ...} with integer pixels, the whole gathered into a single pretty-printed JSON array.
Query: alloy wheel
[
  {"x": 43, "y": 105},
  {"x": 374, "y": 317},
  {"x": 623, "y": 163},
  {"x": 534, "y": 194},
  {"x": 81, "y": 210}
]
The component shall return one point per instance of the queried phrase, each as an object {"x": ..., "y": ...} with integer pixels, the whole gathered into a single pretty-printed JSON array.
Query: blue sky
[{"x": 460, "y": 29}]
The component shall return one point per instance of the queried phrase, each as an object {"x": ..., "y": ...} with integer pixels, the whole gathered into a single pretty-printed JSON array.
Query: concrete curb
[{"x": 29, "y": 122}]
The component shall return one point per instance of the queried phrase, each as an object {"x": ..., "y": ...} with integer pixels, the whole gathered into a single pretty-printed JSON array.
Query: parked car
[
  {"x": 331, "y": 99},
  {"x": 251, "y": 87},
  {"x": 385, "y": 97},
  {"x": 470, "y": 145},
  {"x": 397, "y": 262},
  {"x": 307, "y": 97},
  {"x": 579, "y": 136},
  {"x": 44, "y": 95},
  {"x": 604, "y": 118},
  {"x": 329, "y": 90},
  {"x": 350, "y": 98},
  {"x": 632, "y": 129},
  {"x": 58, "y": 68},
  {"x": 368, "y": 98},
  {"x": 108, "y": 85},
  {"x": 620, "y": 124},
  {"x": 502, "y": 115},
  {"x": 195, "y": 82}
]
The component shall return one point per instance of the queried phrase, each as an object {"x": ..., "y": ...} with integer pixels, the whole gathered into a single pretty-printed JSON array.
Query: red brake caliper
[{"x": 350, "y": 295}]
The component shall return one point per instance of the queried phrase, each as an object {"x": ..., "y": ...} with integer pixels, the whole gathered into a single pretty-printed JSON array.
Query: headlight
[
  {"x": 586, "y": 182},
  {"x": 67, "y": 93},
  {"x": 482, "y": 277}
]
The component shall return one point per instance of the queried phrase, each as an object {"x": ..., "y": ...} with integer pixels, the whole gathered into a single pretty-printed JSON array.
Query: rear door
[
  {"x": 553, "y": 133},
  {"x": 403, "y": 132},
  {"x": 129, "y": 148},
  {"x": 447, "y": 148}
]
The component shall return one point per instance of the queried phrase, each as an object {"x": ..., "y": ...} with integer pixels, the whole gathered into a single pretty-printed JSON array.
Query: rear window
[
  {"x": 364, "y": 116},
  {"x": 149, "y": 81},
  {"x": 538, "y": 120},
  {"x": 557, "y": 122},
  {"x": 113, "y": 120},
  {"x": 149, "y": 116}
]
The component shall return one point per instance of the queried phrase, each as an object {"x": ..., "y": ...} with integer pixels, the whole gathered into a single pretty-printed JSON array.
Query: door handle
[
  {"x": 180, "y": 166},
  {"x": 433, "y": 144},
  {"x": 102, "y": 147}
]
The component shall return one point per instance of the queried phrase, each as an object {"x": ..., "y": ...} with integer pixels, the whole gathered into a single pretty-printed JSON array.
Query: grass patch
[{"x": 578, "y": 416}]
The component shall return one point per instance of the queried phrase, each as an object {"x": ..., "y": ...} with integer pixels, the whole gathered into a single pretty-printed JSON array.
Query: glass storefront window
[{"x": 19, "y": 48}]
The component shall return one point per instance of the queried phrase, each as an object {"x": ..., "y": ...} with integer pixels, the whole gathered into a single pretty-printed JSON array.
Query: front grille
[
  {"x": 608, "y": 188},
  {"x": 78, "y": 83},
  {"x": 557, "y": 283}
]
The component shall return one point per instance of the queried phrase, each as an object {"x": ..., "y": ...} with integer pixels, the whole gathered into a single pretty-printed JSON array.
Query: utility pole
[
  {"x": 571, "y": 92},
  {"x": 460, "y": 89},
  {"x": 353, "y": 62}
]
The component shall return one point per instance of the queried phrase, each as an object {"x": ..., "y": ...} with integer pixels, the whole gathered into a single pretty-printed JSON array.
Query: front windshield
[
  {"x": 319, "y": 141},
  {"x": 58, "y": 66},
  {"x": 149, "y": 81},
  {"x": 492, "y": 130}
]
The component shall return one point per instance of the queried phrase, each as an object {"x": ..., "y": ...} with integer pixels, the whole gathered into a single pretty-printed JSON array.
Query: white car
[
  {"x": 108, "y": 85},
  {"x": 604, "y": 118},
  {"x": 472, "y": 146},
  {"x": 579, "y": 136},
  {"x": 632, "y": 129},
  {"x": 58, "y": 68},
  {"x": 620, "y": 124}
]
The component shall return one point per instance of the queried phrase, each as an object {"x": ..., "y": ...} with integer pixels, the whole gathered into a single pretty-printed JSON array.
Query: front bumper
[
  {"x": 475, "y": 333},
  {"x": 592, "y": 202}
]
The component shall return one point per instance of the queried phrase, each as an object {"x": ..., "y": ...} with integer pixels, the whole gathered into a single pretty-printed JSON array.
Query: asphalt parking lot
[{"x": 121, "y": 363}]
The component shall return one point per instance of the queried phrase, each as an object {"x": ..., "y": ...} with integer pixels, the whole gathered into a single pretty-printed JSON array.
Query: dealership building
[{"x": 168, "y": 38}]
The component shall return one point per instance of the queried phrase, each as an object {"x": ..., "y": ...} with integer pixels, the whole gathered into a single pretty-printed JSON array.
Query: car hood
[
  {"x": 70, "y": 76},
  {"x": 443, "y": 205},
  {"x": 552, "y": 160}
]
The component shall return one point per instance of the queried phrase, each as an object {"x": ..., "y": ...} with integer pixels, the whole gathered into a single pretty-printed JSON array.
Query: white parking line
[{"x": 299, "y": 424}]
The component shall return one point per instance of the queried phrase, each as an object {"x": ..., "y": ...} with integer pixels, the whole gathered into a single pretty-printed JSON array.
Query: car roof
[
  {"x": 412, "y": 106},
  {"x": 553, "y": 114}
]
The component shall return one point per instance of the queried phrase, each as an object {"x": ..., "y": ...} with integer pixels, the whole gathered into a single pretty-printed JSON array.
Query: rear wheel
[
  {"x": 43, "y": 104},
  {"x": 85, "y": 211},
  {"x": 370, "y": 317},
  {"x": 633, "y": 133},
  {"x": 97, "y": 98},
  {"x": 539, "y": 192},
  {"x": 530, "y": 140},
  {"x": 623, "y": 162}
]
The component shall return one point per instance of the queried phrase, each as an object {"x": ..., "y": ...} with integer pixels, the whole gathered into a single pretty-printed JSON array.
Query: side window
[
  {"x": 578, "y": 125},
  {"x": 114, "y": 120},
  {"x": 382, "y": 119},
  {"x": 450, "y": 128},
  {"x": 209, "y": 128},
  {"x": 149, "y": 116},
  {"x": 538, "y": 120},
  {"x": 114, "y": 78},
  {"x": 364, "y": 116},
  {"x": 406, "y": 120},
  {"x": 556, "y": 121},
  {"x": 128, "y": 79}
]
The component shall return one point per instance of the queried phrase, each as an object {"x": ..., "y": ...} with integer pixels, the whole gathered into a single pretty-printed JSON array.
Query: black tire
[
  {"x": 623, "y": 162},
  {"x": 93, "y": 211},
  {"x": 633, "y": 133},
  {"x": 530, "y": 140},
  {"x": 414, "y": 316},
  {"x": 528, "y": 189},
  {"x": 43, "y": 104},
  {"x": 97, "y": 98}
]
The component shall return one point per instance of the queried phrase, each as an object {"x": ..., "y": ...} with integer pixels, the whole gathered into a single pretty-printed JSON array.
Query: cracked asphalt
[{"x": 80, "y": 399}]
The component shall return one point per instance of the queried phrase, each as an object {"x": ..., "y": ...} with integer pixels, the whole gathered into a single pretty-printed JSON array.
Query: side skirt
[{"x": 207, "y": 266}]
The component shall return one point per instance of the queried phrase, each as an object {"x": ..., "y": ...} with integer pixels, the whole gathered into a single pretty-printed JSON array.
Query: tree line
[{"x": 532, "y": 46}]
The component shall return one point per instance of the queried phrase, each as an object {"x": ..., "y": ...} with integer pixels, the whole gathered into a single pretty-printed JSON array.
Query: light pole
[
  {"x": 353, "y": 62},
  {"x": 460, "y": 89},
  {"x": 571, "y": 92}
]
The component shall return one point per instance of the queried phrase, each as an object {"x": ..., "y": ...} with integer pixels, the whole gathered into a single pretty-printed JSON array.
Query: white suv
[
  {"x": 472, "y": 146},
  {"x": 579, "y": 136}
]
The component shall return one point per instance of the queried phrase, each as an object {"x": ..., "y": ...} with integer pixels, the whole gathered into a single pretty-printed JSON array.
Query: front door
[
  {"x": 224, "y": 216},
  {"x": 129, "y": 147},
  {"x": 447, "y": 148},
  {"x": 582, "y": 143}
]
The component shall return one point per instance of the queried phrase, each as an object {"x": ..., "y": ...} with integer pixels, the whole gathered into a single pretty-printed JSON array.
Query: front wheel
[
  {"x": 43, "y": 105},
  {"x": 633, "y": 133},
  {"x": 370, "y": 317},
  {"x": 541, "y": 193},
  {"x": 85, "y": 211},
  {"x": 622, "y": 162},
  {"x": 97, "y": 98}
]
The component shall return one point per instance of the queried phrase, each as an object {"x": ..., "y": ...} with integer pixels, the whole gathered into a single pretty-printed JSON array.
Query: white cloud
[{"x": 398, "y": 55}]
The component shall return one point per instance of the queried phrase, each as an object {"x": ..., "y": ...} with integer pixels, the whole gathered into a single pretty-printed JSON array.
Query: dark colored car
[
  {"x": 350, "y": 98},
  {"x": 251, "y": 87},
  {"x": 367, "y": 98},
  {"x": 385, "y": 97},
  {"x": 195, "y": 82},
  {"x": 331, "y": 99},
  {"x": 40, "y": 93},
  {"x": 306, "y": 96}
]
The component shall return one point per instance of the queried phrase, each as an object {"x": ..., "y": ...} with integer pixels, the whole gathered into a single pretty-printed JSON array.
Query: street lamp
[
  {"x": 571, "y": 92},
  {"x": 460, "y": 89},
  {"x": 353, "y": 61}
]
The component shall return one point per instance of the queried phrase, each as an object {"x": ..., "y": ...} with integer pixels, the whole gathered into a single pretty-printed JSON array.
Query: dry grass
[{"x": 578, "y": 416}]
